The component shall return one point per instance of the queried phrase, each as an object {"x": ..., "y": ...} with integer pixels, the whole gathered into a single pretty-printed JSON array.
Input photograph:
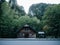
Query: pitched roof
[{"x": 26, "y": 26}]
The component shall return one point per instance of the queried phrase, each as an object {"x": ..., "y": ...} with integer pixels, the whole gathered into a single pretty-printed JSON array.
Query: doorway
[{"x": 26, "y": 35}]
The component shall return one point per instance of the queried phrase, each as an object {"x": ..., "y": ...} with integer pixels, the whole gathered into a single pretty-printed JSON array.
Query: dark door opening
[{"x": 26, "y": 35}]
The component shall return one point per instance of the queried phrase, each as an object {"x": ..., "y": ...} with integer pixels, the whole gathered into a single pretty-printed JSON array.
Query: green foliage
[
  {"x": 38, "y": 10},
  {"x": 1, "y": 1},
  {"x": 11, "y": 19},
  {"x": 20, "y": 10},
  {"x": 51, "y": 20},
  {"x": 10, "y": 22},
  {"x": 34, "y": 22},
  {"x": 7, "y": 20}
]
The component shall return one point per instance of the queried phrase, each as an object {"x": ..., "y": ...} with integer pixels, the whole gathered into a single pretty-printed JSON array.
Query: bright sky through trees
[{"x": 27, "y": 3}]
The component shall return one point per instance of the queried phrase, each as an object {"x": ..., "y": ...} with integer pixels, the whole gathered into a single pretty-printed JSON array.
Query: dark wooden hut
[{"x": 26, "y": 32}]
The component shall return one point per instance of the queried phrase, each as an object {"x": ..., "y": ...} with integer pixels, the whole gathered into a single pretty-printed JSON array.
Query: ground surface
[{"x": 30, "y": 41}]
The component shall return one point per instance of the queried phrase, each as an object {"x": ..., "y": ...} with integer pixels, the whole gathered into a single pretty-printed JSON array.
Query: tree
[
  {"x": 13, "y": 3},
  {"x": 38, "y": 10},
  {"x": 33, "y": 22},
  {"x": 51, "y": 20},
  {"x": 20, "y": 10},
  {"x": 10, "y": 22},
  {"x": 7, "y": 21},
  {"x": 1, "y": 1}
]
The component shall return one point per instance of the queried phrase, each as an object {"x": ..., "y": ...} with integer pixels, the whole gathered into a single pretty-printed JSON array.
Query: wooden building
[{"x": 26, "y": 32}]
